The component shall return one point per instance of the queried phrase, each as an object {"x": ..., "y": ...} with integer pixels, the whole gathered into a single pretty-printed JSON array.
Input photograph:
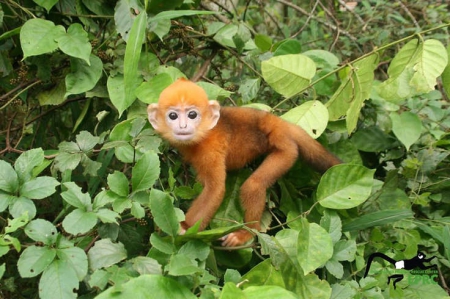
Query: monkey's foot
[{"x": 236, "y": 238}]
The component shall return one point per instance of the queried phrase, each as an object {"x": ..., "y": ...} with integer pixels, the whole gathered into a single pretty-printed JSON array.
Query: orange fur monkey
[{"x": 215, "y": 139}]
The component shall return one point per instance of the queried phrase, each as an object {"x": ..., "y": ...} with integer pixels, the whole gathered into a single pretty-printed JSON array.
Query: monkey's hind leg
[
  {"x": 253, "y": 191},
  {"x": 396, "y": 278}
]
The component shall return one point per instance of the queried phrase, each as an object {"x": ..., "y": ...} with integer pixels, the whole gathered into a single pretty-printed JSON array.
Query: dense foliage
[{"x": 91, "y": 198}]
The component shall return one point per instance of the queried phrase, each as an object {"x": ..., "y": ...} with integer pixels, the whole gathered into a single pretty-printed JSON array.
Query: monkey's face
[
  {"x": 183, "y": 122},
  {"x": 183, "y": 114}
]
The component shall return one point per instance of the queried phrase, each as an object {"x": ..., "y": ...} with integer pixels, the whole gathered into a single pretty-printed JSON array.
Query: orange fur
[{"x": 240, "y": 136}]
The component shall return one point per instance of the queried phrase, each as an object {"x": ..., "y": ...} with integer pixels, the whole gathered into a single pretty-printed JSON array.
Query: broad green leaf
[
  {"x": 79, "y": 222},
  {"x": 26, "y": 162},
  {"x": 75, "y": 197},
  {"x": 149, "y": 91},
  {"x": 323, "y": 59},
  {"x": 287, "y": 47},
  {"x": 47, "y": 4},
  {"x": 195, "y": 250},
  {"x": 137, "y": 210},
  {"x": 180, "y": 265},
  {"x": 86, "y": 141},
  {"x": 145, "y": 172},
  {"x": 213, "y": 91},
  {"x": 268, "y": 292},
  {"x": 41, "y": 230},
  {"x": 118, "y": 183},
  {"x": 53, "y": 96},
  {"x": 226, "y": 37},
  {"x": 107, "y": 216},
  {"x": 39, "y": 188},
  {"x": 15, "y": 224},
  {"x": 120, "y": 204},
  {"x": 345, "y": 186},
  {"x": 9, "y": 180},
  {"x": 163, "y": 244},
  {"x": 34, "y": 260},
  {"x": 39, "y": 36},
  {"x": 414, "y": 70},
  {"x": 263, "y": 42},
  {"x": 353, "y": 91},
  {"x": 344, "y": 250},
  {"x": 378, "y": 218},
  {"x": 116, "y": 91},
  {"x": 105, "y": 253},
  {"x": 249, "y": 89},
  {"x": 314, "y": 246},
  {"x": 75, "y": 43},
  {"x": 67, "y": 161},
  {"x": 76, "y": 258},
  {"x": 149, "y": 286},
  {"x": 83, "y": 77},
  {"x": 2, "y": 268},
  {"x": 288, "y": 74},
  {"x": 264, "y": 274},
  {"x": 21, "y": 205},
  {"x": 132, "y": 55},
  {"x": 164, "y": 214},
  {"x": 156, "y": 6},
  {"x": 332, "y": 223},
  {"x": 145, "y": 265},
  {"x": 312, "y": 116},
  {"x": 123, "y": 19},
  {"x": 407, "y": 127},
  {"x": 373, "y": 139},
  {"x": 59, "y": 281},
  {"x": 5, "y": 200}
]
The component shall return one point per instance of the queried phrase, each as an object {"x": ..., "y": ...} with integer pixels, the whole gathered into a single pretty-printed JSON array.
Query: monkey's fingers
[{"x": 236, "y": 238}]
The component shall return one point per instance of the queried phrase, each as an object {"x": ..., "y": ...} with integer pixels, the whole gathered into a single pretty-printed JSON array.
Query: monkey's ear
[
  {"x": 214, "y": 108},
  {"x": 152, "y": 112}
]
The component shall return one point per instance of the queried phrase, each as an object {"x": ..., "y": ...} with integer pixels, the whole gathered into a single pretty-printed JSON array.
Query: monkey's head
[{"x": 183, "y": 115}]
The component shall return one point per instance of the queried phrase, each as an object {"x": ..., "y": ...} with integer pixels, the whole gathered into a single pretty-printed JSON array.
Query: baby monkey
[{"x": 215, "y": 139}]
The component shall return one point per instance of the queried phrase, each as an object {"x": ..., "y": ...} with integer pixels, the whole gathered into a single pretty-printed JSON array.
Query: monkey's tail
[
  {"x": 312, "y": 152},
  {"x": 380, "y": 255}
]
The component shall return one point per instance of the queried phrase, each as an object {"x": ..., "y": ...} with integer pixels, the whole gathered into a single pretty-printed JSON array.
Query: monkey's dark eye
[
  {"x": 173, "y": 115},
  {"x": 192, "y": 114}
]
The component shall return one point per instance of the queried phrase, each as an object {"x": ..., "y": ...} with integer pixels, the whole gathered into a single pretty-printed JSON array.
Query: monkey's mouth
[{"x": 183, "y": 136}]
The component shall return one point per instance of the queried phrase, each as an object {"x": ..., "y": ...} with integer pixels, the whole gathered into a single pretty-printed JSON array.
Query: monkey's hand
[{"x": 236, "y": 238}]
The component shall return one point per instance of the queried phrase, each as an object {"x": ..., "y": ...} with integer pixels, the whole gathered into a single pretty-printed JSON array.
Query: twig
[{"x": 204, "y": 68}]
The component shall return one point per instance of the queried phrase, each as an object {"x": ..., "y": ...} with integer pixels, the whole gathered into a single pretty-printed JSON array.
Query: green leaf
[
  {"x": 34, "y": 260},
  {"x": 264, "y": 274},
  {"x": 145, "y": 172},
  {"x": 86, "y": 141},
  {"x": 345, "y": 186},
  {"x": 263, "y": 42},
  {"x": 75, "y": 258},
  {"x": 378, "y": 218},
  {"x": 145, "y": 265},
  {"x": 149, "y": 286},
  {"x": 47, "y": 4},
  {"x": 287, "y": 47},
  {"x": 15, "y": 224},
  {"x": 312, "y": 116},
  {"x": 53, "y": 96},
  {"x": 180, "y": 265},
  {"x": 9, "y": 180},
  {"x": 118, "y": 183},
  {"x": 107, "y": 216},
  {"x": 213, "y": 91},
  {"x": 288, "y": 74},
  {"x": 353, "y": 91},
  {"x": 41, "y": 230},
  {"x": 137, "y": 210},
  {"x": 67, "y": 161},
  {"x": 131, "y": 60},
  {"x": 344, "y": 250},
  {"x": 39, "y": 188},
  {"x": 149, "y": 91},
  {"x": 75, "y": 43},
  {"x": 373, "y": 139},
  {"x": 314, "y": 246},
  {"x": 75, "y": 197},
  {"x": 164, "y": 213},
  {"x": 22, "y": 205},
  {"x": 83, "y": 76},
  {"x": 414, "y": 70},
  {"x": 407, "y": 127},
  {"x": 39, "y": 36},
  {"x": 105, "y": 253},
  {"x": 226, "y": 37},
  {"x": 59, "y": 281},
  {"x": 26, "y": 162},
  {"x": 79, "y": 222},
  {"x": 249, "y": 89}
]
